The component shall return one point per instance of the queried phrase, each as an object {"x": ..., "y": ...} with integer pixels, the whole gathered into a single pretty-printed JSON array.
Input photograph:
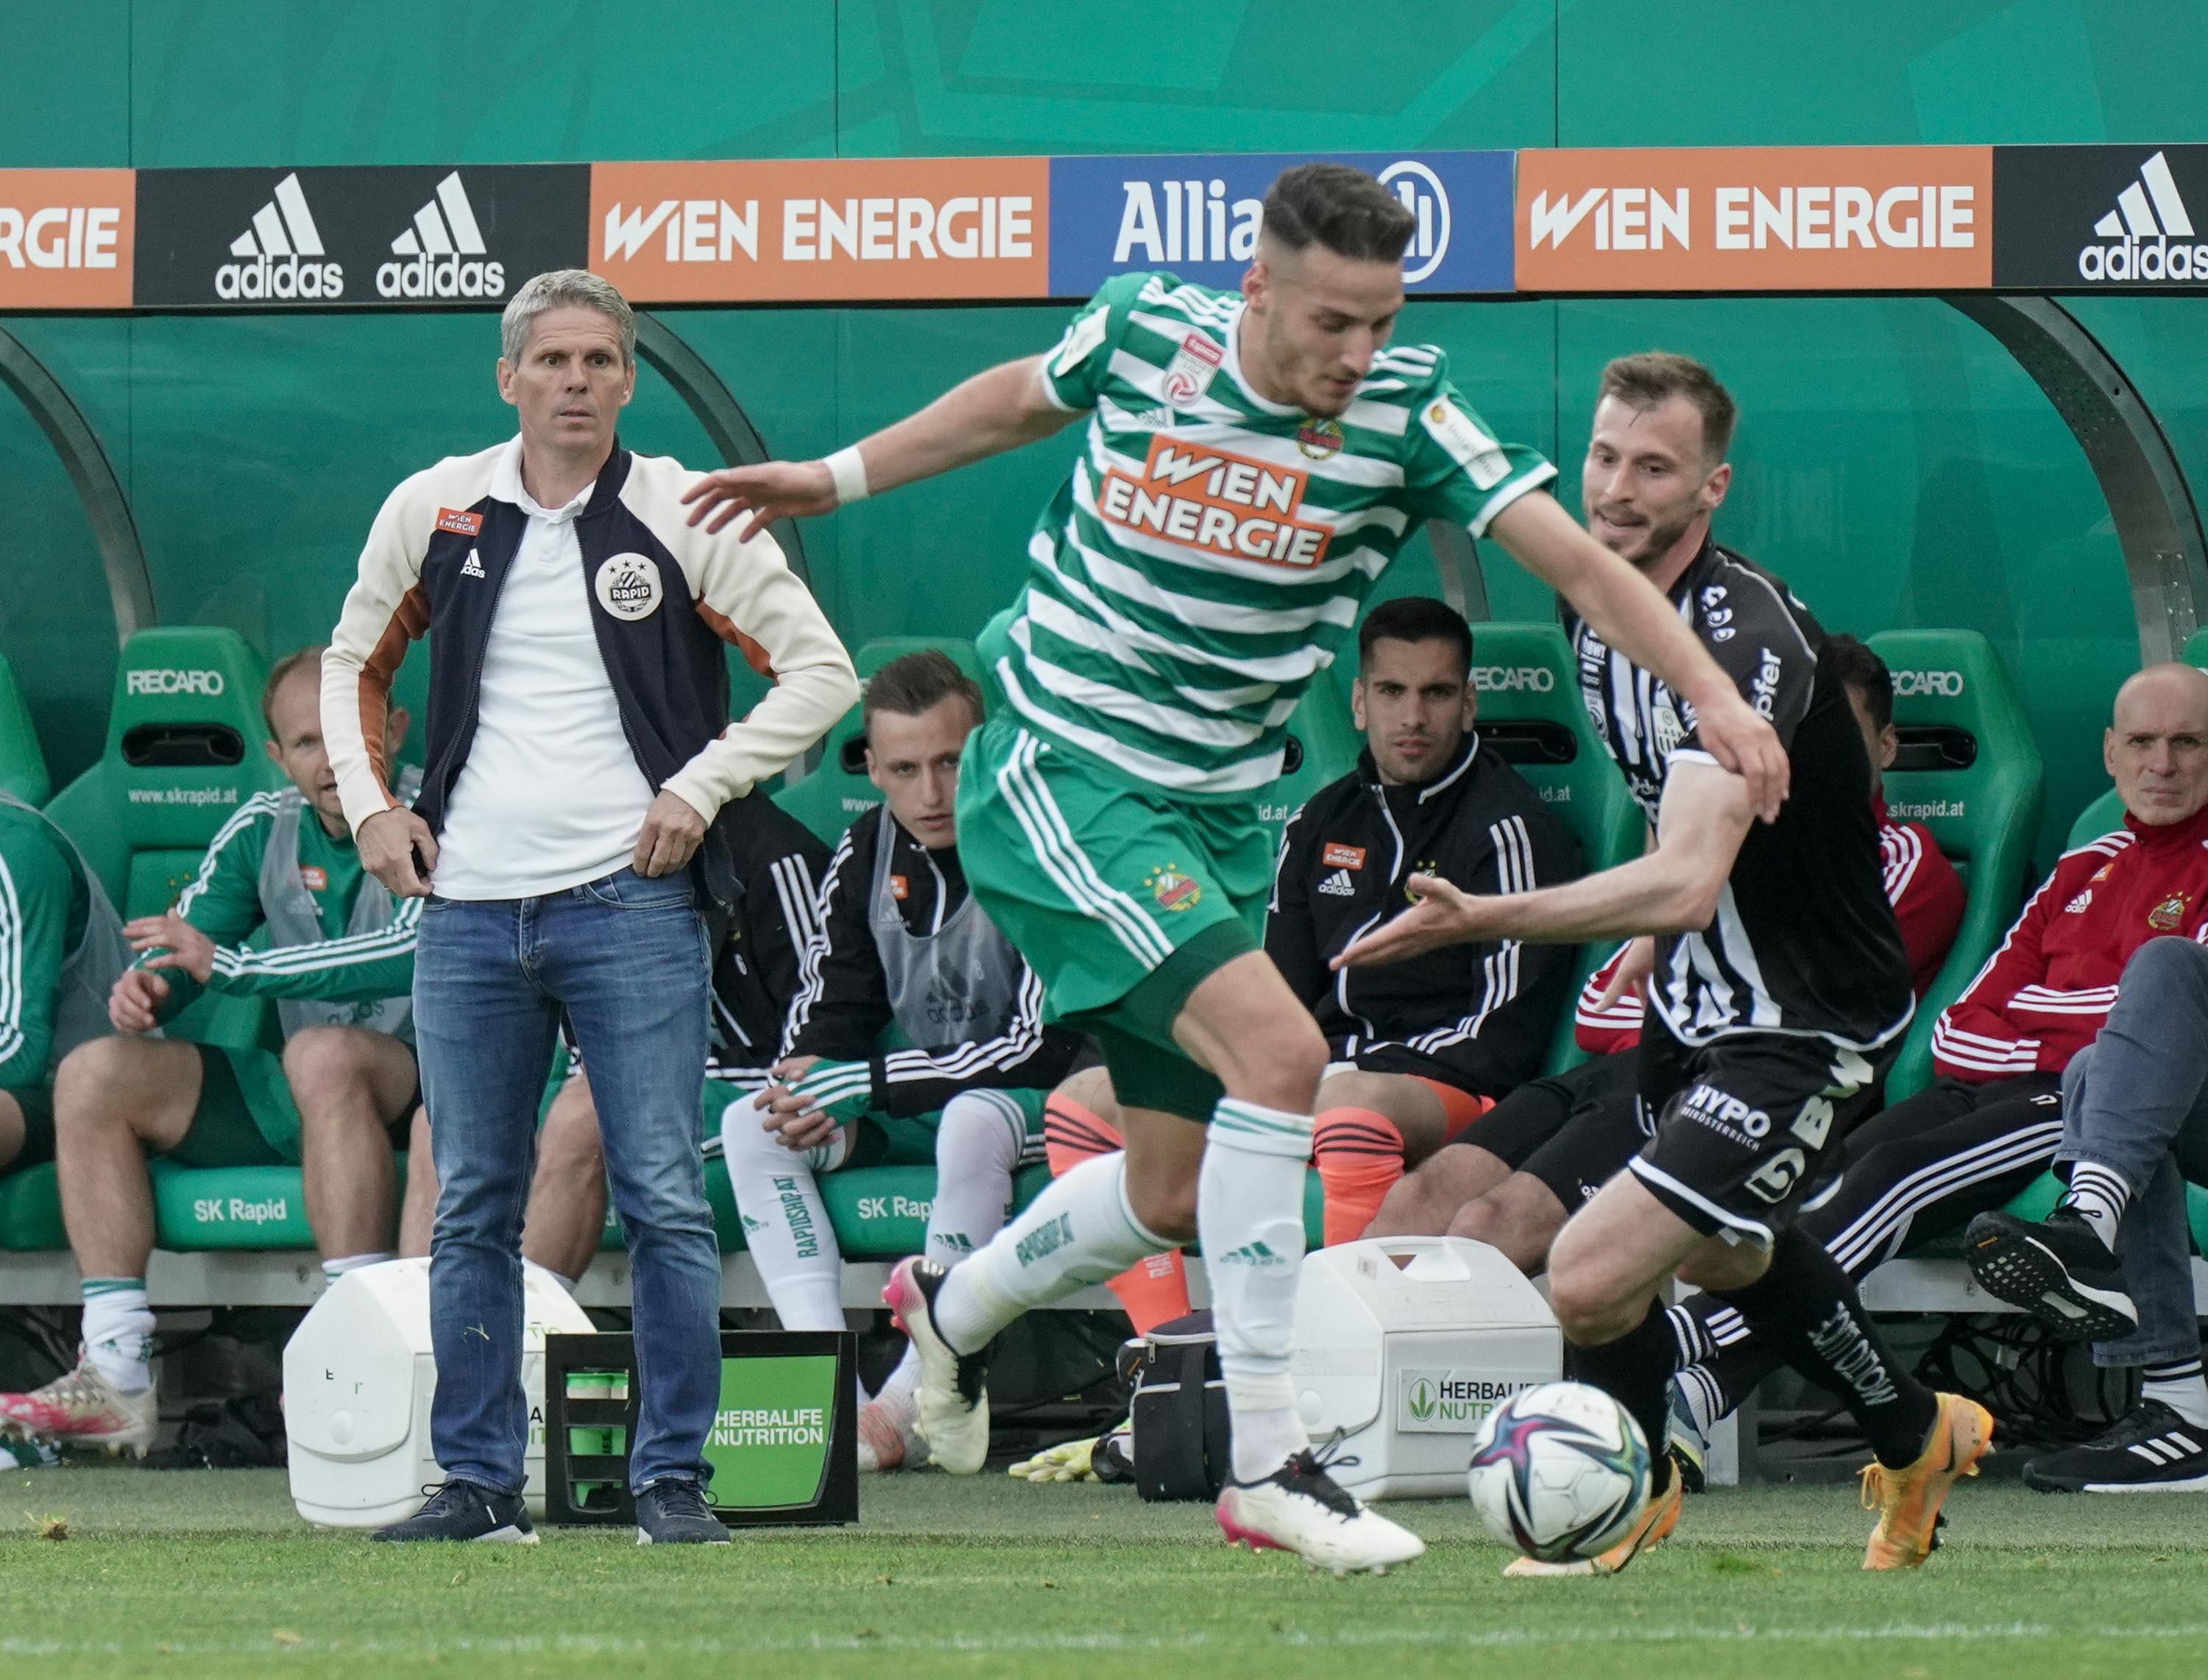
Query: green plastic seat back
[
  {"x": 1322, "y": 747},
  {"x": 1969, "y": 771},
  {"x": 185, "y": 748},
  {"x": 1531, "y": 712},
  {"x": 836, "y": 791},
  {"x": 23, "y": 761}
]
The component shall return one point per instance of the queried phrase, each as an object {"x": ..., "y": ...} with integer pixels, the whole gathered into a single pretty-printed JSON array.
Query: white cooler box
[
  {"x": 1409, "y": 1359},
  {"x": 358, "y": 1374}
]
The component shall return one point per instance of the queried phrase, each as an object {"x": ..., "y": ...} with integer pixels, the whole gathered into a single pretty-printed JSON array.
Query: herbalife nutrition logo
[
  {"x": 271, "y": 252},
  {"x": 2138, "y": 235},
  {"x": 443, "y": 251}
]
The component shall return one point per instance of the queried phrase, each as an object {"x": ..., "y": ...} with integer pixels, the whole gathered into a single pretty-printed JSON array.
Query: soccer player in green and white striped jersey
[{"x": 1249, "y": 466}]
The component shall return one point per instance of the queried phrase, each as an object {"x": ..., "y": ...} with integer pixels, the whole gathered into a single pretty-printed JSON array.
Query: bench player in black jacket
[{"x": 1779, "y": 992}]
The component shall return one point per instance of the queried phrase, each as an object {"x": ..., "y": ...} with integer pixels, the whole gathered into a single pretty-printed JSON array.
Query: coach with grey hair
[{"x": 581, "y": 776}]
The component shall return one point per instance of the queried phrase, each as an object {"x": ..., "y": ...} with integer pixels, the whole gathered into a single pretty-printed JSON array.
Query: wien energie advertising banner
[{"x": 1621, "y": 221}]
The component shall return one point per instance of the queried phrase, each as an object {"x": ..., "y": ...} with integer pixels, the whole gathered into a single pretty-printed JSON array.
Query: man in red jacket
[
  {"x": 1519, "y": 1170},
  {"x": 1991, "y": 1122}
]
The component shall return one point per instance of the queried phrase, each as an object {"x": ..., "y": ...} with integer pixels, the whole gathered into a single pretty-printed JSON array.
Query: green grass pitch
[{"x": 205, "y": 1573}]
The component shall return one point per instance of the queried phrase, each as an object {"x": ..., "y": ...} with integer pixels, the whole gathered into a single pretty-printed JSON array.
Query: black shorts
[
  {"x": 1607, "y": 1123},
  {"x": 1745, "y": 1123}
]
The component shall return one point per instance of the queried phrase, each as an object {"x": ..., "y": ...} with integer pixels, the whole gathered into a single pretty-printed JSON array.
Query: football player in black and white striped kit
[{"x": 1779, "y": 992}]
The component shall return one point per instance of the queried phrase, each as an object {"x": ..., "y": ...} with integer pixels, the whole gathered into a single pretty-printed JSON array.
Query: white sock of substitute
[
  {"x": 2098, "y": 1196},
  {"x": 785, "y": 1221},
  {"x": 1249, "y": 1218},
  {"x": 118, "y": 1332},
  {"x": 901, "y": 1388},
  {"x": 1079, "y": 1231},
  {"x": 334, "y": 1269},
  {"x": 2178, "y": 1384},
  {"x": 978, "y": 1146}
]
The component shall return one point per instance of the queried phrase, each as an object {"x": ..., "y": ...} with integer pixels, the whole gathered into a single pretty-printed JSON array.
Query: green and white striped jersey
[{"x": 1208, "y": 553}]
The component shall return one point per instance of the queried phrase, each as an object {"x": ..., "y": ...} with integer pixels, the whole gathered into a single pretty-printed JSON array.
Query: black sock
[
  {"x": 1805, "y": 1310},
  {"x": 1635, "y": 1371}
]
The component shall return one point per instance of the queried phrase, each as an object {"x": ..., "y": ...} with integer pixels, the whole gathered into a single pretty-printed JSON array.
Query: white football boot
[
  {"x": 953, "y": 1396},
  {"x": 1301, "y": 1509}
]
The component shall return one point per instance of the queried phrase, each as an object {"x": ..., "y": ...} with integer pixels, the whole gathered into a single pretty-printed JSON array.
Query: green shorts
[
  {"x": 36, "y": 1103},
  {"x": 1121, "y": 898},
  {"x": 878, "y": 1140},
  {"x": 245, "y": 1116}
]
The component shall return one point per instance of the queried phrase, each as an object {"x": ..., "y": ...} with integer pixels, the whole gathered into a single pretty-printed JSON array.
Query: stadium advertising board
[
  {"x": 1198, "y": 216},
  {"x": 66, "y": 238},
  {"x": 822, "y": 229},
  {"x": 401, "y": 235},
  {"x": 1767, "y": 218},
  {"x": 2095, "y": 217}
]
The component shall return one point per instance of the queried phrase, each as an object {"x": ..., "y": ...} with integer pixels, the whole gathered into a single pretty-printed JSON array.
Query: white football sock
[
  {"x": 900, "y": 1389},
  {"x": 334, "y": 1269},
  {"x": 1079, "y": 1231},
  {"x": 978, "y": 1147},
  {"x": 785, "y": 1220},
  {"x": 118, "y": 1332},
  {"x": 1249, "y": 1218},
  {"x": 2099, "y": 1196},
  {"x": 2179, "y": 1385}
]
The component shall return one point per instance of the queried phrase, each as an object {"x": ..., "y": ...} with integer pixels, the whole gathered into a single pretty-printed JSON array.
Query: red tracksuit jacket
[
  {"x": 2042, "y": 996},
  {"x": 1927, "y": 895}
]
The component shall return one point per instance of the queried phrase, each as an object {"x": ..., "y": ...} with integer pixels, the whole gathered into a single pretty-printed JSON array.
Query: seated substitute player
[
  {"x": 339, "y": 968},
  {"x": 2114, "y": 1260},
  {"x": 1251, "y": 463},
  {"x": 778, "y": 863},
  {"x": 900, "y": 941},
  {"x": 1513, "y": 1177},
  {"x": 1779, "y": 993},
  {"x": 62, "y": 949},
  {"x": 1993, "y": 1118},
  {"x": 1421, "y": 1051}
]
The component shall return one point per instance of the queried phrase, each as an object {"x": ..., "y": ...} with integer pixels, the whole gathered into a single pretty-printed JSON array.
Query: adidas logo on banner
[
  {"x": 472, "y": 567},
  {"x": 1339, "y": 885},
  {"x": 2150, "y": 215},
  {"x": 282, "y": 232},
  {"x": 446, "y": 248}
]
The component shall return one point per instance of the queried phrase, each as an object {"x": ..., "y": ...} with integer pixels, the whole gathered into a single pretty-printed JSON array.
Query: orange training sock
[
  {"x": 1151, "y": 1292},
  {"x": 1360, "y": 1154}
]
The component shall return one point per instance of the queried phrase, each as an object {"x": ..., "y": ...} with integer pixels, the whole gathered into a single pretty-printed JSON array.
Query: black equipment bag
[{"x": 1181, "y": 1440}]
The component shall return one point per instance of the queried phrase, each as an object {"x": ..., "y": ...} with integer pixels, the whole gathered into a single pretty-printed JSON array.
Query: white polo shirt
[{"x": 550, "y": 795}]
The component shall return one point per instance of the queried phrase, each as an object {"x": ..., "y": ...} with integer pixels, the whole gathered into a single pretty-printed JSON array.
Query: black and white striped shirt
[{"x": 1804, "y": 939}]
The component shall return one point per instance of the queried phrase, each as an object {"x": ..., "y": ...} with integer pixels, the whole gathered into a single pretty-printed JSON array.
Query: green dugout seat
[
  {"x": 1969, "y": 771},
  {"x": 23, "y": 761},
  {"x": 836, "y": 791},
  {"x": 185, "y": 748},
  {"x": 1531, "y": 713}
]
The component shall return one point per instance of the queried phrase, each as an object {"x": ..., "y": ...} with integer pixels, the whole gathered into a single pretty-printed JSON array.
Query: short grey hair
[{"x": 560, "y": 289}]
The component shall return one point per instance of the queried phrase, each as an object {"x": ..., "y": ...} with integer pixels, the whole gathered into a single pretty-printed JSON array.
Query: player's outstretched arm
[
  {"x": 1705, "y": 816},
  {"x": 1628, "y": 613},
  {"x": 992, "y": 413}
]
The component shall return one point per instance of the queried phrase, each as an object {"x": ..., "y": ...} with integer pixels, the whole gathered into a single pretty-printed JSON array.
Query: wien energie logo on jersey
[{"x": 1220, "y": 503}]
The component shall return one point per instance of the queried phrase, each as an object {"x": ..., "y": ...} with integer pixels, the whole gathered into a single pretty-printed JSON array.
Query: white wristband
[{"x": 849, "y": 473}]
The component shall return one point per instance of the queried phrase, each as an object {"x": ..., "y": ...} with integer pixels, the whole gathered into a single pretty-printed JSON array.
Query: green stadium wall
[{"x": 1892, "y": 462}]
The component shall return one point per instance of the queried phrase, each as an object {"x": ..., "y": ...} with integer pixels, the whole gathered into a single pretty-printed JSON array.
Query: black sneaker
[
  {"x": 673, "y": 1512},
  {"x": 2150, "y": 1450},
  {"x": 2058, "y": 1271},
  {"x": 465, "y": 1511}
]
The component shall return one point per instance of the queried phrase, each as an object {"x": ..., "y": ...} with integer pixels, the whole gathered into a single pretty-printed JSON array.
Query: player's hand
[
  {"x": 1741, "y": 740},
  {"x": 672, "y": 832},
  {"x": 1443, "y": 913},
  {"x": 181, "y": 944},
  {"x": 397, "y": 848},
  {"x": 770, "y": 491},
  {"x": 133, "y": 1007},
  {"x": 840, "y": 1090},
  {"x": 791, "y": 1069},
  {"x": 795, "y": 1128},
  {"x": 1631, "y": 974}
]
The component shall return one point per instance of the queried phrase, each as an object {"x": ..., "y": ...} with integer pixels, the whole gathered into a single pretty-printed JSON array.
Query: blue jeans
[
  {"x": 626, "y": 958},
  {"x": 2135, "y": 1100}
]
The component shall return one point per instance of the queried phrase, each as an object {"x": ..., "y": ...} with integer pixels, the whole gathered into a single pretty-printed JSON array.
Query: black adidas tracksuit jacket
[{"x": 1477, "y": 1017}]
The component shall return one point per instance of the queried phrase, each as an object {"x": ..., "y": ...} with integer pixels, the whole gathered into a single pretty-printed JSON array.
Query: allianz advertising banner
[{"x": 1198, "y": 216}]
